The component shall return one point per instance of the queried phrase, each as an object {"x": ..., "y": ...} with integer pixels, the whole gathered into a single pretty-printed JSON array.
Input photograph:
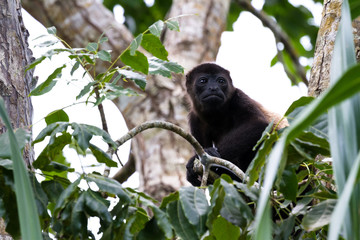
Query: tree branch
[
  {"x": 280, "y": 36},
  {"x": 126, "y": 171},
  {"x": 206, "y": 160}
]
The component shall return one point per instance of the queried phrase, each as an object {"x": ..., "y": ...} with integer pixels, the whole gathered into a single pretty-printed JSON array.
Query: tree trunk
[
  {"x": 14, "y": 83},
  {"x": 320, "y": 71},
  {"x": 160, "y": 156}
]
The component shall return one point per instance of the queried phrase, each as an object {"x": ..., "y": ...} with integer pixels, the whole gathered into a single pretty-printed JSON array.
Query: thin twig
[{"x": 280, "y": 36}]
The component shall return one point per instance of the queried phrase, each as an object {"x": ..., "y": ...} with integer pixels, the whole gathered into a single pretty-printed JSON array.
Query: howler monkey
[{"x": 226, "y": 122}]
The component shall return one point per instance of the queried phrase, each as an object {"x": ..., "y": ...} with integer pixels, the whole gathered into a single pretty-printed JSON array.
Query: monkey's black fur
[{"x": 225, "y": 121}]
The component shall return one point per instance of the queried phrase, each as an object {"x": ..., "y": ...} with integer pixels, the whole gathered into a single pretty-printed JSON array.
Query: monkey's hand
[{"x": 193, "y": 177}]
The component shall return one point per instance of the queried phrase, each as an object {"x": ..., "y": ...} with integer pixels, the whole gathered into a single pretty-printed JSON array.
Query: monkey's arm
[{"x": 237, "y": 145}]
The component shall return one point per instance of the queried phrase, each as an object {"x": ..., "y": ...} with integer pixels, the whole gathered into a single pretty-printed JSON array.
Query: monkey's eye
[
  {"x": 202, "y": 80},
  {"x": 221, "y": 80}
]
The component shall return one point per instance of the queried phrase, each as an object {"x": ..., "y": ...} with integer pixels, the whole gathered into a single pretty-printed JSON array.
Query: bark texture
[
  {"x": 14, "y": 83},
  {"x": 14, "y": 57},
  {"x": 320, "y": 71},
  {"x": 160, "y": 156}
]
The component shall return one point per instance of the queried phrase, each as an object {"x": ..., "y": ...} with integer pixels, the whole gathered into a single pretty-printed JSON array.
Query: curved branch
[
  {"x": 206, "y": 159},
  {"x": 280, "y": 36},
  {"x": 164, "y": 125}
]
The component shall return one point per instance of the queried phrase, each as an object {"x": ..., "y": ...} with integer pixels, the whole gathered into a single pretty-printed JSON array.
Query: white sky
[{"x": 246, "y": 52}]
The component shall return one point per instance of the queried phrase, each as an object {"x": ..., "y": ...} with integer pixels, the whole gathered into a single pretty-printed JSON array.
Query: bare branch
[
  {"x": 126, "y": 171},
  {"x": 206, "y": 160},
  {"x": 280, "y": 36}
]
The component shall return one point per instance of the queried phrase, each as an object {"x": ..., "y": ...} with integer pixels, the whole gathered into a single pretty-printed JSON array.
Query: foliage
[
  {"x": 302, "y": 200},
  {"x": 135, "y": 8}
]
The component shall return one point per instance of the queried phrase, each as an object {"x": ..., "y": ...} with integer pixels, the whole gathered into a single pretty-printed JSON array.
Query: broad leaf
[
  {"x": 181, "y": 224},
  {"x": 138, "y": 78},
  {"x": 153, "y": 45},
  {"x": 22, "y": 137},
  {"x": 195, "y": 206},
  {"x": 104, "y": 55},
  {"x": 135, "y": 44},
  {"x": 164, "y": 68},
  {"x": 48, "y": 84},
  {"x": 82, "y": 135},
  {"x": 109, "y": 185},
  {"x": 92, "y": 47},
  {"x": 102, "y": 156},
  {"x": 223, "y": 229},
  {"x": 319, "y": 215},
  {"x": 156, "y": 28},
  {"x": 56, "y": 116},
  {"x": 138, "y": 61},
  {"x": 173, "y": 25}
]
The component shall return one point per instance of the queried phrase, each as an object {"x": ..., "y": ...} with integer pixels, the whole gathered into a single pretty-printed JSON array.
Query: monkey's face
[
  {"x": 209, "y": 87},
  {"x": 211, "y": 91}
]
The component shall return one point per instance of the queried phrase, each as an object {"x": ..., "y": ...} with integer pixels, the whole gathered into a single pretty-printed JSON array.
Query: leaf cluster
[{"x": 106, "y": 85}]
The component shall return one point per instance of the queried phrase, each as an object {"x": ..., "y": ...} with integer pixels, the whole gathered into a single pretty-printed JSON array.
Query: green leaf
[
  {"x": 345, "y": 87},
  {"x": 134, "y": 224},
  {"x": 92, "y": 47},
  {"x": 51, "y": 130},
  {"x": 113, "y": 91},
  {"x": 48, "y": 84},
  {"x": 138, "y": 78},
  {"x": 180, "y": 223},
  {"x": 153, "y": 45},
  {"x": 29, "y": 221},
  {"x": 99, "y": 132},
  {"x": 163, "y": 221},
  {"x": 223, "y": 229},
  {"x": 169, "y": 198},
  {"x": 35, "y": 63},
  {"x": 157, "y": 28},
  {"x": 151, "y": 231},
  {"x": 173, "y": 25},
  {"x": 233, "y": 200},
  {"x": 51, "y": 30},
  {"x": 289, "y": 184},
  {"x": 65, "y": 195},
  {"x": 102, "y": 156},
  {"x": 264, "y": 232},
  {"x": 22, "y": 137},
  {"x": 82, "y": 135},
  {"x": 75, "y": 67},
  {"x": 217, "y": 195},
  {"x": 164, "y": 68},
  {"x": 53, "y": 189},
  {"x": 195, "y": 206},
  {"x": 98, "y": 206},
  {"x": 85, "y": 90},
  {"x": 319, "y": 215},
  {"x": 56, "y": 116},
  {"x": 78, "y": 217},
  {"x": 7, "y": 164},
  {"x": 302, "y": 101},
  {"x": 343, "y": 204},
  {"x": 138, "y": 62},
  {"x": 104, "y": 55},
  {"x": 135, "y": 44},
  {"x": 109, "y": 185},
  {"x": 344, "y": 127},
  {"x": 258, "y": 162},
  {"x": 103, "y": 39}
]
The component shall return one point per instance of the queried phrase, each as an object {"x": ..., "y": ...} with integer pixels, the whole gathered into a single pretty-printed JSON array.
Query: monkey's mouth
[{"x": 212, "y": 97}]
